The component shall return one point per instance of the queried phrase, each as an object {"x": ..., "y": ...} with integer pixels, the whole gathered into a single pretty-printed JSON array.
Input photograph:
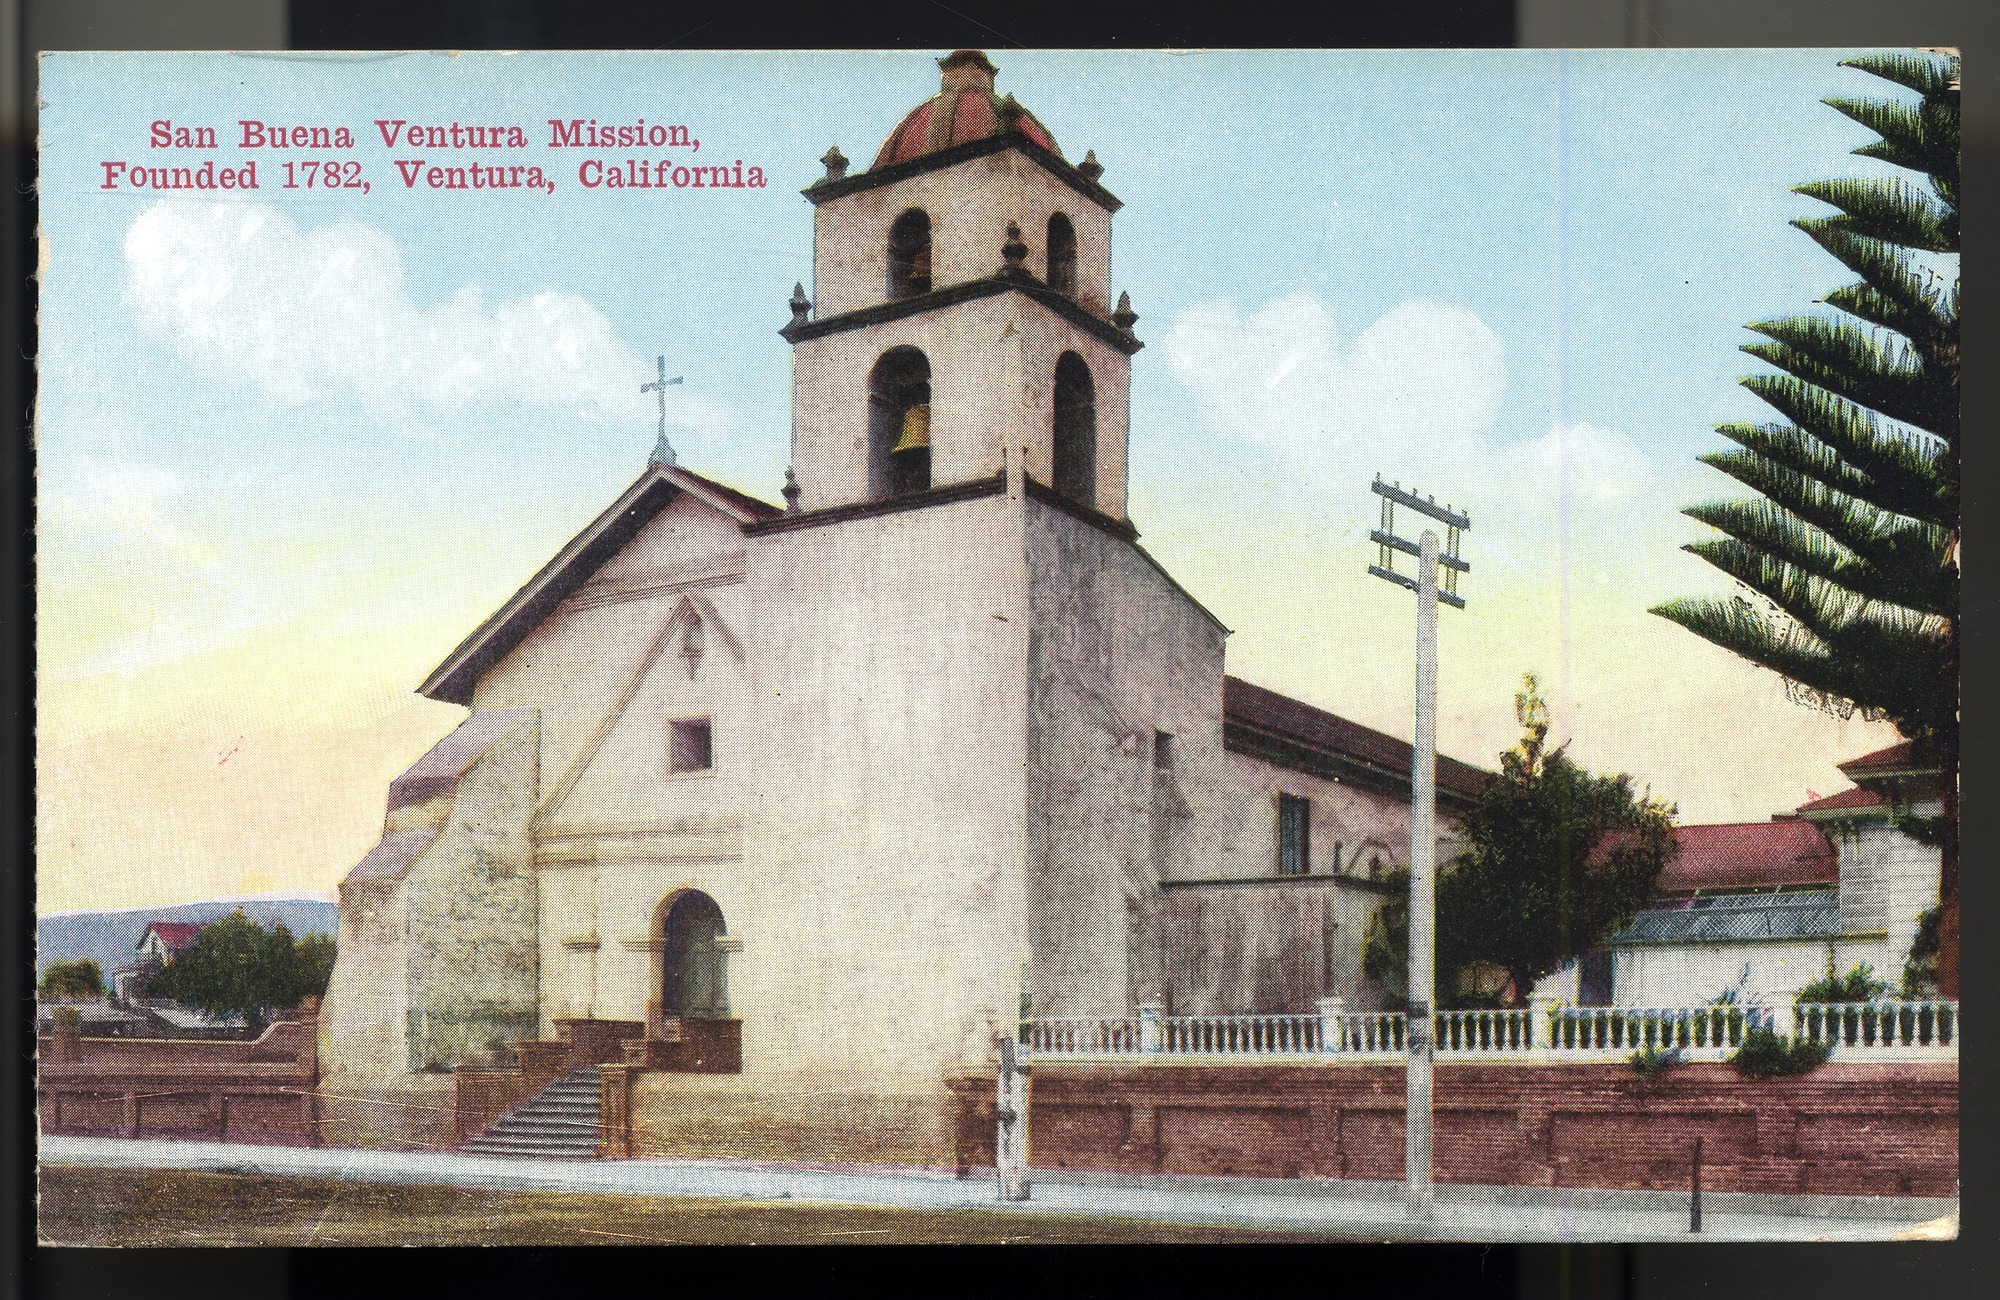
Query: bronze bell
[{"x": 916, "y": 429}]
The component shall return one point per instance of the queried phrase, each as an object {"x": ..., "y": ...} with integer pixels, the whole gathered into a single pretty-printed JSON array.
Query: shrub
[
  {"x": 1858, "y": 985},
  {"x": 82, "y": 978},
  {"x": 1653, "y": 1063},
  {"x": 1920, "y": 972},
  {"x": 1766, "y": 1054}
]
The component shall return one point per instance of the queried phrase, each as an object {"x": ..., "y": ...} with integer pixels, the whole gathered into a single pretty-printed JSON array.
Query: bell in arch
[{"x": 916, "y": 429}]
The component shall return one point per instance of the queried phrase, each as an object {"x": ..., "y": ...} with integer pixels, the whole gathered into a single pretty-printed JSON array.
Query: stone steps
[{"x": 559, "y": 1122}]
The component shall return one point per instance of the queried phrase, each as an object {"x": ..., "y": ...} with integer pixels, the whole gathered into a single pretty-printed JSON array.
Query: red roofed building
[
  {"x": 166, "y": 940},
  {"x": 1763, "y": 908}
]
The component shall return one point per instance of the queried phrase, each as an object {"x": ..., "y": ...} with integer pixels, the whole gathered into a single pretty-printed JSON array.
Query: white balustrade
[
  {"x": 1903, "y": 1031},
  {"x": 1859, "y": 1030}
]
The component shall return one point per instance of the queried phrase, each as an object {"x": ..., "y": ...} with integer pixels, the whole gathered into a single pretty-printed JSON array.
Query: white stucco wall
[
  {"x": 1693, "y": 975},
  {"x": 881, "y": 903}
]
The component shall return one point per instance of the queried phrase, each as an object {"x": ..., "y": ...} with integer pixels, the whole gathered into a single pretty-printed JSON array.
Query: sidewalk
[{"x": 1314, "y": 1206}]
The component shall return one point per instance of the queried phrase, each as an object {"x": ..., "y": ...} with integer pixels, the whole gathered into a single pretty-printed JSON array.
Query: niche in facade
[
  {"x": 1075, "y": 430},
  {"x": 899, "y": 424},
  {"x": 910, "y": 254},
  {"x": 1062, "y": 255}
]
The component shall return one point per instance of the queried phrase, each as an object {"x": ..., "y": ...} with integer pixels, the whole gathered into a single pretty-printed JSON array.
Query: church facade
[{"x": 861, "y": 777}]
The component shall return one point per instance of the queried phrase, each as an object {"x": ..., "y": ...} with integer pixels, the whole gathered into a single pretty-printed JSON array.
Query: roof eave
[{"x": 452, "y": 681}]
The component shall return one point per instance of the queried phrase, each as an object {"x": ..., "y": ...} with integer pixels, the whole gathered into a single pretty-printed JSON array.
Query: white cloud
[
  {"x": 243, "y": 291},
  {"x": 1424, "y": 371},
  {"x": 1583, "y": 465}
]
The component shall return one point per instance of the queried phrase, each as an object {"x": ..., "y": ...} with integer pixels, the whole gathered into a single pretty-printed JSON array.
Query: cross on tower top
[{"x": 663, "y": 451}]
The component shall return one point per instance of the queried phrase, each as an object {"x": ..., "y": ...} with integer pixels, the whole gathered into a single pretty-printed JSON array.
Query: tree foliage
[
  {"x": 235, "y": 965},
  {"x": 1557, "y": 860},
  {"x": 82, "y": 978},
  {"x": 1851, "y": 540},
  {"x": 1852, "y": 544}
]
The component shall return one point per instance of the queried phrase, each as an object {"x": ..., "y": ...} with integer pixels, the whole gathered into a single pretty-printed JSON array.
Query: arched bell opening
[
  {"x": 910, "y": 254},
  {"x": 1062, "y": 254},
  {"x": 693, "y": 975},
  {"x": 899, "y": 424},
  {"x": 1075, "y": 430}
]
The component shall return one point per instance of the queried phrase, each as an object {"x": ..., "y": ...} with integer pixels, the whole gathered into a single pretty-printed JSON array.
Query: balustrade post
[
  {"x": 1332, "y": 1037},
  {"x": 1149, "y": 1026},
  {"x": 1542, "y": 1023}
]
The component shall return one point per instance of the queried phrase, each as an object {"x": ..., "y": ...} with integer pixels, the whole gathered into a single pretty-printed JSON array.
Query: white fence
[{"x": 1883, "y": 1031}]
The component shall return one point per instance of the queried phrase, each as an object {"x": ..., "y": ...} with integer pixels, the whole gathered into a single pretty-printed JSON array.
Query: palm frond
[
  {"x": 1910, "y": 137},
  {"x": 1927, "y": 74},
  {"x": 1883, "y": 374},
  {"x": 1928, "y": 302},
  {"x": 1839, "y": 546},
  {"x": 1892, "y": 211},
  {"x": 1906, "y": 463}
]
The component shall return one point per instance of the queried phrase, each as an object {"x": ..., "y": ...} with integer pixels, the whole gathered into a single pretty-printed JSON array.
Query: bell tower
[{"x": 961, "y": 304}]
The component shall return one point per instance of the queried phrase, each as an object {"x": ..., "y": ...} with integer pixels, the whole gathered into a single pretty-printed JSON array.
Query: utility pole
[{"x": 1418, "y": 1195}]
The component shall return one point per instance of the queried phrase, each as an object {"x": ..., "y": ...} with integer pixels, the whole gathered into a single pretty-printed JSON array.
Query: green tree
[
  {"x": 1852, "y": 543},
  {"x": 82, "y": 978},
  {"x": 1557, "y": 860},
  {"x": 235, "y": 965}
]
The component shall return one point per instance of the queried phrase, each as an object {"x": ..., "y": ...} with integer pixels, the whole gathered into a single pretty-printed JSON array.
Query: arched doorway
[{"x": 694, "y": 977}]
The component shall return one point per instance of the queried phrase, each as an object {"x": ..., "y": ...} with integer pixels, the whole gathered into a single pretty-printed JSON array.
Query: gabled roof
[
  {"x": 1846, "y": 801},
  {"x": 1748, "y": 855},
  {"x": 175, "y": 934},
  {"x": 452, "y": 681},
  {"x": 1295, "y": 723},
  {"x": 1902, "y": 758}
]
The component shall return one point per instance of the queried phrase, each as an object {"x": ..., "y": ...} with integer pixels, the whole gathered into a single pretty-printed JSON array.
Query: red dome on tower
[{"x": 965, "y": 108}]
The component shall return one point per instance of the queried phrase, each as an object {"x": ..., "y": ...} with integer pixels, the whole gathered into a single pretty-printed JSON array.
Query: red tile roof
[
  {"x": 1855, "y": 798},
  {"x": 1749, "y": 855},
  {"x": 175, "y": 934},
  {"x": 1288, "y": 719},
  {"x": 1901, "y": 755}
]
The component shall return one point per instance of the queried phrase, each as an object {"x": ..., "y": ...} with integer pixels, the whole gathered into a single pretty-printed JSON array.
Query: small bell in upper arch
[{"x": 916, "y": 429}]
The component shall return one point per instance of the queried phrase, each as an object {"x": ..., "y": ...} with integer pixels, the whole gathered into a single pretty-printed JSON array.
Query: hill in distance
[{"x": 111, "y": 939}]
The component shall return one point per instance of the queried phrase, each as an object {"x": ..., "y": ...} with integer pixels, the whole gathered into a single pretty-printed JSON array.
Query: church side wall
[
  {"x": 471, "y": 907},
  {"x": 1116, "y": 655}
]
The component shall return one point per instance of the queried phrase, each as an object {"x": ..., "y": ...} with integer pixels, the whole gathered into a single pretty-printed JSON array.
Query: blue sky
[{"x": 294, "y": 445}]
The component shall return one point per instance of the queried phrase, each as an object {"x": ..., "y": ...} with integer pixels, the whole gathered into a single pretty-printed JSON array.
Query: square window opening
[
  {"x": 1163, "y": 751},
  {"x": 693, "y": 750},
  {"x": 1294, "y": 835}
]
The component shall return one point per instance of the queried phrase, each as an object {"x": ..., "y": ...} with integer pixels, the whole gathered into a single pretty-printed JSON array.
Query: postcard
[{"x": 669, "y": 647}]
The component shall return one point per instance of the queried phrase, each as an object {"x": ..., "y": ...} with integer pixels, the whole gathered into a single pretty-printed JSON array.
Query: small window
[
  {"x": 1294, "y": 835},
  {"x": 692, "y": 750},
  {"x": 1163, "y": 751}
]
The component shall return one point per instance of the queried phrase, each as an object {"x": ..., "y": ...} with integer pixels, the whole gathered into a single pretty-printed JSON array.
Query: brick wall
[
  {"x": 1866, "y": 1129},
  {"x": 260, "y": 1091}
]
